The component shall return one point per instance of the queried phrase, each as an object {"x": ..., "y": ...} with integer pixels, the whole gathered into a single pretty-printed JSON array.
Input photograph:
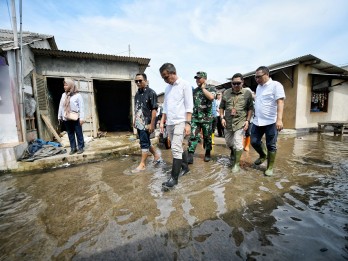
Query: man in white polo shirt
[
  {"x": 177, "y": 112},
  {"x": 268, "y": 119}
]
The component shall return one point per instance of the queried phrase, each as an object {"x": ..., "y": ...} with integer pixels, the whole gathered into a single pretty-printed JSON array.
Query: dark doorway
[
  {"x": 113, "y": 103},
  {"x": 55, "y": 89}
]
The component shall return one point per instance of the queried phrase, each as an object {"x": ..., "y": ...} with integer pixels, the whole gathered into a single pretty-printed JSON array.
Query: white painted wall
[
  {"x": 337, "y": 109},
  {"x": 8, "y": 129}
]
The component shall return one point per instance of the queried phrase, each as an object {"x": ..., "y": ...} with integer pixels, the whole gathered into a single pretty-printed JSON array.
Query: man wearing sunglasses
[
  {"x": 145, "y": 110},
  {"x": 236, "y": 109},
  {"x": 268, "y": 119},
  {"x": 202, "y": 116}
]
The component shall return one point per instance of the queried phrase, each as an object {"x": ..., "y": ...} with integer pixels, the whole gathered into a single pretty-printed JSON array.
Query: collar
[
  {"x": 268, "y": 82},
  {"x": 142, "y": 90},
  {"x": 240, "y": 91}
]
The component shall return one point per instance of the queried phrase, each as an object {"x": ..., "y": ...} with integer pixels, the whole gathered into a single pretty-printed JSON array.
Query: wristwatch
[{"x": 188, "y": 122}]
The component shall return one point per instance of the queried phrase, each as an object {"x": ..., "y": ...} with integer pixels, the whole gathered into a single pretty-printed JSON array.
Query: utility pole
[{"x": 20, "y": 117}]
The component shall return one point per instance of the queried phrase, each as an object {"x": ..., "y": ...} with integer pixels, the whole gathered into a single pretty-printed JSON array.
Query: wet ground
[{"x": 102, "y": 211}]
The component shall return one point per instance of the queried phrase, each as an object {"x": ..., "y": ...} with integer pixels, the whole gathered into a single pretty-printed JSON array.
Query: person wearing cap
[
  {"x": 177, "y": 111},
  {"x": 202, "y": 116},
  {"x": 236, "y": 109},
  {"x": 268, "y": 119}
]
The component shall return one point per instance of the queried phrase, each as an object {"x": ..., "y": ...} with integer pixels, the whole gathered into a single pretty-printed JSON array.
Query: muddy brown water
[{"x": 102, "y": 211}]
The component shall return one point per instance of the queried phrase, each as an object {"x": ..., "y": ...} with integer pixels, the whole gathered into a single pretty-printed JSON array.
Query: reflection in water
[{"x": 103, "y": 212}]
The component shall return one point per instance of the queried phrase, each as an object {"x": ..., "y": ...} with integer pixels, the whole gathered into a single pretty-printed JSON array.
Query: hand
[
  {"x": 161, "y": 127},
  {"x": 187, "y": 130},
  {"x": 151, "y": 128},
  {"x": 279, "y": 125},
  {"x": 223, "y": 123},
  {"x": 246, "y": 126},
  {"x": 82, "y": 122}
]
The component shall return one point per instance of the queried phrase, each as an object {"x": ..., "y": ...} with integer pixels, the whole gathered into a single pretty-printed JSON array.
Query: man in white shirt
[
  {"x": 177, "y": 112},
  {"x": 268, "y": 119}
]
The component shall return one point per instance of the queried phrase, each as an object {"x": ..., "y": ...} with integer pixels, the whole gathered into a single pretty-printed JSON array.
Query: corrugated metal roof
[
  {"x": 307, "y": 60},
  {"x": 84, "y": 55},
  {"x": 7, "y": 42}
]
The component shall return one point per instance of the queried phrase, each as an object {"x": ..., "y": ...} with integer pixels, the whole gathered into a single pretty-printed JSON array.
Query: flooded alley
[{"x": 102, "y": 211}]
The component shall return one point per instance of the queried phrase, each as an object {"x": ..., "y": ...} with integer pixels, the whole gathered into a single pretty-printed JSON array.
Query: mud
[{"x": 102, "y": 211}]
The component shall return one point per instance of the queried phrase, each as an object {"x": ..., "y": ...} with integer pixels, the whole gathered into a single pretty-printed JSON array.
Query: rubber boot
[
  {"x": 184, "y": 164},
  {"x": 232, "y": 156},
  {"x": 236, "y": 166},
  {"x": 270, "y": 161},
  {"x": 176, "y": 168},
  {"x": 189, "y": 157},
  {"x": 246, "y": 143},
  {"x": 212, "y": 139},
  {"x": 262, "y": 150},
  {"x": 207, "y": 156}
]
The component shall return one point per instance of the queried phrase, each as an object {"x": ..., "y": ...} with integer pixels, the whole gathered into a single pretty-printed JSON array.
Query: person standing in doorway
[
  {"x": 202, "y": 116},
  {"x": 72, "y": 102},
  {"x": 219, "y": 126},
  {"x": 177, "y": 111},
  {"x": 145, "y": 110},
  {"x": 237, "y": 106},
  {"x": 268, "y": 119}
]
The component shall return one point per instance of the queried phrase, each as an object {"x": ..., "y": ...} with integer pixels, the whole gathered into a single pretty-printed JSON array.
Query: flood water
[{"x": 102, "y": 211}]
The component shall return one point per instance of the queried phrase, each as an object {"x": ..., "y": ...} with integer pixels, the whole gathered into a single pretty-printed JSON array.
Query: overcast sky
[{"x": 216, "y": 36}]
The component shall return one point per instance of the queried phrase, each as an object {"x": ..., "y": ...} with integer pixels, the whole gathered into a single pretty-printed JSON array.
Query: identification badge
[{"x": 234, "y": 112}]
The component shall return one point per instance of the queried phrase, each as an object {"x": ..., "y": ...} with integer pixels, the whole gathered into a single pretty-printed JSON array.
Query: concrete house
[
  {"x": 105, "y": 82},
  {"x": 316, "y": 91}
]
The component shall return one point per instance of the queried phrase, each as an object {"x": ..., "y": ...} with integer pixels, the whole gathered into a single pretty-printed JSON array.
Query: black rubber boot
[
  {"x": 184, "y": 164},
  {"x": 189, "y": 157},
  {"x": 207, "y": 156},
  {"x": 176, "y": 168},
  {"x": 232, "y": 156},
  {"x": 262, "y": 151}
]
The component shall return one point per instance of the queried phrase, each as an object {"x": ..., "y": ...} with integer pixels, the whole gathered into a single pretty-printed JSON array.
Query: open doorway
[
  {"x": 55, "y": 89},
  {"x": 113, "y": 103}
]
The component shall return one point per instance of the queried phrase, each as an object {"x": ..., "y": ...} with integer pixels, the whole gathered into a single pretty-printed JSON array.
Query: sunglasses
[
  {"x": 259, "y": 76},
  {"x": 138, "y": 81},
  {"x": 236, "y": 83}
]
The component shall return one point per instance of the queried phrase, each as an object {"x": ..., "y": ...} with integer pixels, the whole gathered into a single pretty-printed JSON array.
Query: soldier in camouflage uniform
[{"x": 202, "y": 116}]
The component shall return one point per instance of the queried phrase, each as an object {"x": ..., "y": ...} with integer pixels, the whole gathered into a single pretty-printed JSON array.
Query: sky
[{"x": 216, "y": 36}]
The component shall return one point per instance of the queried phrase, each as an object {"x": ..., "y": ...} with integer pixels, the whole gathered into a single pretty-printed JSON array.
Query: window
[
  {"x": 319, "y": 101},
  {"x": 320, "y": 93}
]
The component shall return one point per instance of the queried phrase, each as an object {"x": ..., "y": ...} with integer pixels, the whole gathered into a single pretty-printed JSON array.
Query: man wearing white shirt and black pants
[
  {"x": 268, "y": 119},
  {"x": 177, "y": 112}
]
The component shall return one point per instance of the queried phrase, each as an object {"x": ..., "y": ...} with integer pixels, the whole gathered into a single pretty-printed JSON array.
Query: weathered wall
[
  {"x": 9, "y": 101},
  {"x": 337, "y": 111},
  {"x": 95, "y": 69},
  {"x": 289, "y": 112}
]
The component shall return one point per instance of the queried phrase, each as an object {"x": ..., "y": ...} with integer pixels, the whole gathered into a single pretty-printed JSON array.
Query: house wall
[
  {"x": 290, "y": 106},
  {"x": 337, "y": 111},
  {"x": 88, "y": 69},
  {"x": 338, "y": 97},
  {"x": 9, "y": 109},
  {"x": 93, "y": 69}
]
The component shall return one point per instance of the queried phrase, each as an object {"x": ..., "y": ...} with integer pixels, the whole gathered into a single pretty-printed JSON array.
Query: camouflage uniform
[{"x": 202, "y": 118}]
